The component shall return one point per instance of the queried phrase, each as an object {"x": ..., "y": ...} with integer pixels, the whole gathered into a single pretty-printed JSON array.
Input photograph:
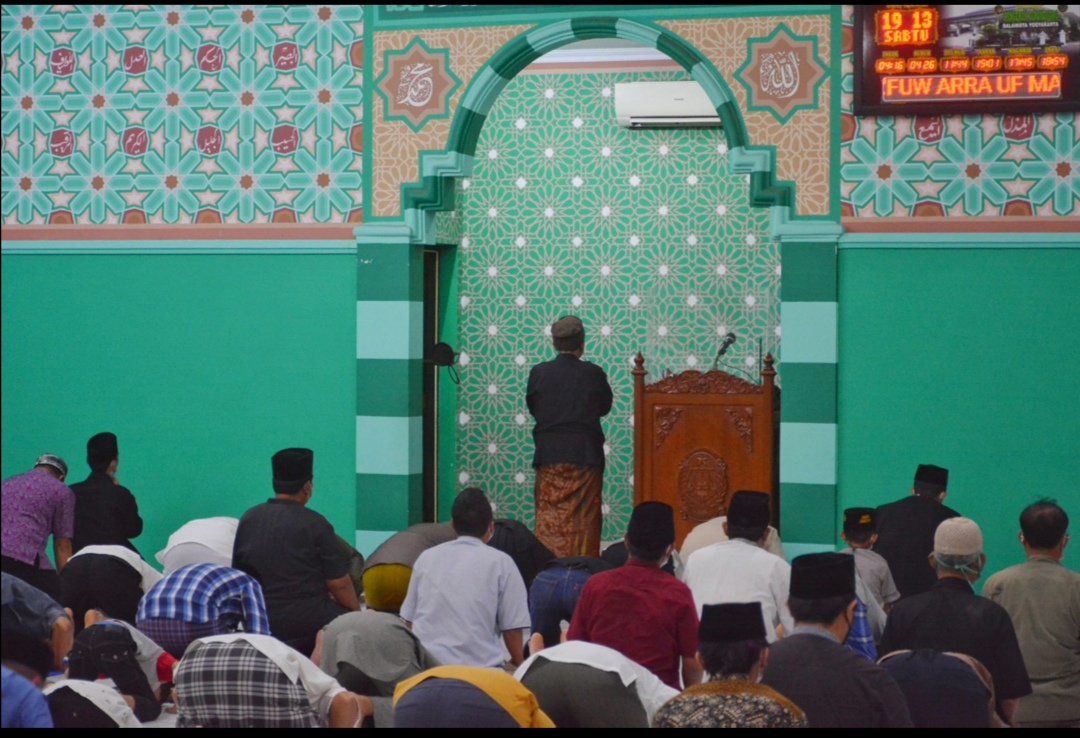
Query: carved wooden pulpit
[{"x": 701, "y": 436}]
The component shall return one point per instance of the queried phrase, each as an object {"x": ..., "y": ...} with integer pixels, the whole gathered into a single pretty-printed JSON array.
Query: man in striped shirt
[{"x": 199, "y": 601}]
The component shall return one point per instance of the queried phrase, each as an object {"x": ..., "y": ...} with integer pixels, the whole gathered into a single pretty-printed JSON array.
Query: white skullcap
[{"x": 958, "y": 537}]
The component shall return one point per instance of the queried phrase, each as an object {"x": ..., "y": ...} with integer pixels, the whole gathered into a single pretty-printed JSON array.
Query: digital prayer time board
[{"x": 935, "y": 59}]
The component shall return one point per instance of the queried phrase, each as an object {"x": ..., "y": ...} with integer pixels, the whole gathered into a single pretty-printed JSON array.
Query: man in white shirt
[
  {"x": 466, "y": 599},
  {"x": 712, "y": 531},
  {"x": 585, "y": 685},
  {"x": 739, "y": 569}
]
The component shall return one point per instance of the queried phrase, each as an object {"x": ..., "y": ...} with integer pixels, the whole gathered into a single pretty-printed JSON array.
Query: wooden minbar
[{"x": 701, "y": 436}]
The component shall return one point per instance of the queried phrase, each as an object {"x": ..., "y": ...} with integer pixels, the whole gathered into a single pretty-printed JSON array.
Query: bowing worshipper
[
  {"x": 466, "y": 600},
  {"x": 26, "y": 665},
  {"x": 201, "y": 600},
  {"x": 951, "y": 617},
  {"x": 834, "y": 686},
  {"x": 156, "y": 663},
  {"x": 585, "y": 685},
  {"x": 388, "y": 569},
  {"x": 106, "y": 513},
  {"x": 733, "y": 651},
  {"x": 739, "y": 569},
  {"x": 28, "y": 612},
  {"x": 201, "y": 541},
  {"x": 370, "y": 653},
  {"x": 529, "y": 554},
  {"x": 78, "y": 704},
  {"x": 466, "y": 697},
  {"x": 246, "y": 680},
  {"x": 35, "y": 505},
  {"x": 112, "y": 579},
  {"x": 108, "y": 648},
  {"x": 617, "y": 554},
  {"x": 554, "y": 593},
  {"x": 906, "y": 528},
  {"x": 294, "y": 554},
  {"x": 640, "y": 611},
  {"x": 944, "y": 690}
]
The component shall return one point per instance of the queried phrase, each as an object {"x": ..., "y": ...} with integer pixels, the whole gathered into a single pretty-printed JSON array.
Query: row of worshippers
[{"x": 432, "y": 608}]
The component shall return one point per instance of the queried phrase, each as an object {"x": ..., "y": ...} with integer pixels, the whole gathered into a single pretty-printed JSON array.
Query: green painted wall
[
  {"x": 204, "y": 366},
  {"x": 966, "y": 358}
]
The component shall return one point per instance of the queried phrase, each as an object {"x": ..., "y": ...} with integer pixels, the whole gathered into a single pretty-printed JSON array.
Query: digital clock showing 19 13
[{"x": 937, "y": 59}]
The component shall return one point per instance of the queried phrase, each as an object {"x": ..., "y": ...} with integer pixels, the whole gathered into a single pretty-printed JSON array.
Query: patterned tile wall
[
  {"x": 181, "y": 114},
  {"x": 644, "y": 234},
  {"x": 970, "y": 165}
]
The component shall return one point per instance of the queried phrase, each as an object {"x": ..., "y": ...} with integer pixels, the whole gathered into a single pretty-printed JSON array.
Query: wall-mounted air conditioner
[{"x": 664, "y": 105}]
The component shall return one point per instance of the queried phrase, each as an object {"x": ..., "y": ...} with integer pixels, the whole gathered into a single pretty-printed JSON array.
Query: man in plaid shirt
[{"x": 201, "y": 600}]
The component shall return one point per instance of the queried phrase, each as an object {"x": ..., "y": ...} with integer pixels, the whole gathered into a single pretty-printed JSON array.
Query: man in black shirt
[
  {"x": 906, "y": 530},
  {"x": 106, "y": 513},
  {"x": 951, "y": 617},
  {"x": 568, "y": 396},
  {"x": 293, "y": 553}
]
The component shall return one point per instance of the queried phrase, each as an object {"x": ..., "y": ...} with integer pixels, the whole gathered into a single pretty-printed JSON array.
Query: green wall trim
[
  {"x": 809, "y": 393},
  {"x": 389, "y": 329},
  {"x": 388, "y": 501},
  {"x": 382, "y": 383},
  {"x": 1028, "y": 240},
  {"x": 804, "y": 230},
  {"x": 169, "y": 248},
  {"x": 809, "y": 330},
  {"x": 808, "y": 513},
  {"x": 382, "y": 233},
  {"x": 387, "y": 272},
  {"x": 390, "y": 446},
  {"x": 809, "y": 453},
  {"x": 809, "y": 272}
]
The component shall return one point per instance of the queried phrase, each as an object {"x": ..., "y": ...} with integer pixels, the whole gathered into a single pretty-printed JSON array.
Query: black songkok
[
  {"x": 748, "y": 509},
  {"x": 930, "y": 478},
  {"x": 731, "y": 621},
  {"x": 860, "y": 520},
  {"x": 293, "y": 468},
  {"x": 652, "y": 526},
  {"x": 822, "y": 575}
]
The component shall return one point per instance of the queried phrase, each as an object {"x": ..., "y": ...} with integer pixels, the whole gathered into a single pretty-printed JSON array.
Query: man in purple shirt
[{"x": 35, "y": 505}]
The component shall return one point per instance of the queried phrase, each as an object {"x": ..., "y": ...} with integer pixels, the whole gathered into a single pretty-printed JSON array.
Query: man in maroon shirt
[{"x": 644, "y": 613}]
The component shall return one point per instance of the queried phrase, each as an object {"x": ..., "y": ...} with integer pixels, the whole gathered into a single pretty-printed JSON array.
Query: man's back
[
  {"x": 289, "y": 549},
  {"x": 1043, "y": 599},
  {"x": 462, "y": 596},
  {"x": 950, "y": 617},
  {"x": 106, "y": 513},
  {"x": 740, "y": 571},
  {"x": 834, "y": 686},
  {"x": 568, "y": 396},
  {"x": 642, "y": 612},
  {"x": 35, "y": 505},
  {"x": 906, "y": 538}
]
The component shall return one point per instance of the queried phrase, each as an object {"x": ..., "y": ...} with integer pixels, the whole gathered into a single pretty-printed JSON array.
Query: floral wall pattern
[
  {"x": 970, "y": 165},
  {"x": 181, "y": 114},
  {"x": 644, "y": 234}
]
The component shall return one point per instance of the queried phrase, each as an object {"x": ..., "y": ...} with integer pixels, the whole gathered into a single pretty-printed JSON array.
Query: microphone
[{"x": 728, "y": 340}]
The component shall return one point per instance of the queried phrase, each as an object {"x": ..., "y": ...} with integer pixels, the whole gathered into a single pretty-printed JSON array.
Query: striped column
[
  {"x": 389, "y": 392},
  {"x": 808, "y": 310}
]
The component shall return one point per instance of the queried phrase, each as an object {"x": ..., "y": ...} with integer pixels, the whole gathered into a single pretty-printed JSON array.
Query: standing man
[
  {"x": 106, "y": 513},
  {"x": 906, "y": 528},
  {"x": 34, "y": 505},
  {"x": 568, "y": 396},
  {"x": 951, "y": 617},
  {"x": 1043, "y": 599},
  {"x": 466, "y": 600},
  {"x": 293, "y": 553}
]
